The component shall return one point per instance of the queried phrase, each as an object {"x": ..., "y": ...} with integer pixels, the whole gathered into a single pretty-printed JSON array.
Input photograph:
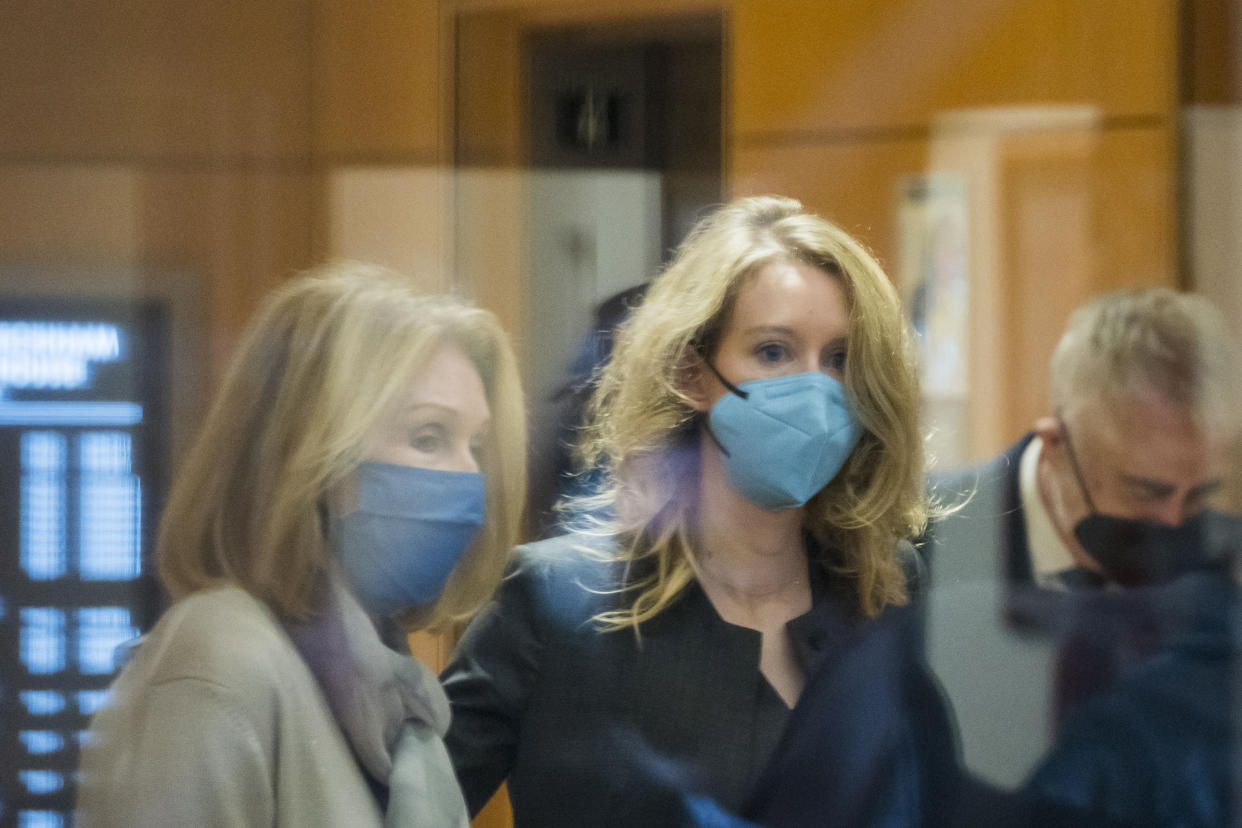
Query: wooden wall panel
[
  {"x": 1075, "y": 225},
  {"x": 378, "y": 80},
  {"x": 832, "y": 66},
  {"x": 75, "y": 215},
  {"x": 1056, "y": 216},
  {"x": 206, "y": 106},
  {"x": 1135, "y": 209},
  {"x": 1213, "y": 52},
  {"x": 488, "y": 100},
  {"x": 1061, "y": 115},
  {"x": 543, "y": 12},
  {"x": 854, "y": 184},
  {"x": 243, "y": 231},
  {"x": 1048, "y": 252},
  {"x": 154, "y": 79}
]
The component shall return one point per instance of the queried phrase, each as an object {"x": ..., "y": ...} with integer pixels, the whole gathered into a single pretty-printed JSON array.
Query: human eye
[
  {"x": 1143, "y": 491},
  {"x": 1200, "y": 497},
  {"x": 771, "y": 352},
  {"x": 833, "y": 361},
  {"x": 478, "y": 448},
  {"x": 429, "y": 438}
]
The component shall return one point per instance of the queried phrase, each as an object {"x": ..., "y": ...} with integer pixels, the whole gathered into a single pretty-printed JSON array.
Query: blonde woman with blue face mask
[
  {"x": 757, "y": 427},
  {"x": 359, "y": 468}
]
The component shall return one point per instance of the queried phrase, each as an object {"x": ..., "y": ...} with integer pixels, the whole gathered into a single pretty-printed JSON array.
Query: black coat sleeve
[{"x": 489, "y": 681}]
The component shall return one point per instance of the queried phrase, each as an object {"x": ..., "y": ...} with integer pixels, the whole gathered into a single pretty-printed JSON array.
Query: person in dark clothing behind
[
  {"x": 1156, "y": 749},
  {"x": 1159, "y": 748},
  {"x": 1141, "y": 442},
  {"x": 562, "y": 480}
]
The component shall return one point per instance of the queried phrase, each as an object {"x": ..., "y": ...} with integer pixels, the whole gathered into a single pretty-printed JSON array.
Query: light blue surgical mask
[
  {"x": 783, "y": 438},
  {"x": 411, "y": 527}
]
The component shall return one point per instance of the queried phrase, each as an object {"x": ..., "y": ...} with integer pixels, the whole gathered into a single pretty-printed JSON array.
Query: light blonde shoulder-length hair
[
  {"x": 643, "y": 429},
  {"x": 325, "y": 358}
]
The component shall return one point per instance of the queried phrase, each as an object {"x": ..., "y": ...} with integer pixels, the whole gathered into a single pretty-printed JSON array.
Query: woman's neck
[{"x": 742, "y": 545}]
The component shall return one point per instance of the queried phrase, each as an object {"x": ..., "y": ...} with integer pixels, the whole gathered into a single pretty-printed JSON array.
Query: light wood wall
[
  {"x": 221, "y": 127},
  {"x": 243, "y": 142},
  {"x": 835, "y": 102}
]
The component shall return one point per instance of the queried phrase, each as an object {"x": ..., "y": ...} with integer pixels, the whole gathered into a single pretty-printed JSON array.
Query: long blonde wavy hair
[
  {"x": 324, "y": 359},
  {"x": 642, "y": 428}
]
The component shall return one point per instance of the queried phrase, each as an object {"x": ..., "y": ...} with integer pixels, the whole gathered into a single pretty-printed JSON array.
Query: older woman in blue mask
[
  {"x": 360, "y": 470},
  {"x": 757, "y": 428}
]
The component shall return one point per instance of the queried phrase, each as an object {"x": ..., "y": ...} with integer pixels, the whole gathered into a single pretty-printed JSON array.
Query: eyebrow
[
  {"x": 484, "y": 427},
  {"x": 446, "y": 408},
  {"x": 1160, "y": 489},
  {"x": 1155, "y": 488},
  {"x": 787, "y": 331},
  {"x": 1204, "y": 489},
  {"x": 770, "y": 329}
]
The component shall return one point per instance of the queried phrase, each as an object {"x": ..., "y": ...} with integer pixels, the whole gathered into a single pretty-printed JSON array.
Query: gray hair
[{"x": 1148, "y": 339}]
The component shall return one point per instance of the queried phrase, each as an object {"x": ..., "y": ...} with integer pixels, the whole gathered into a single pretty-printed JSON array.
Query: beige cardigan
[{"x": 217, "y": 720}]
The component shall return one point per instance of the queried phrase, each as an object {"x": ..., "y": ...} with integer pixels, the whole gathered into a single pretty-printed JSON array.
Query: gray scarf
[{"x": 390, "y": 707}]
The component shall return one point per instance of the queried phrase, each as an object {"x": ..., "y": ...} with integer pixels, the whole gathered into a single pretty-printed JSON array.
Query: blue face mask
[
  {"x": 783, "y": 439},
  {"x": 410, "y": 529}
]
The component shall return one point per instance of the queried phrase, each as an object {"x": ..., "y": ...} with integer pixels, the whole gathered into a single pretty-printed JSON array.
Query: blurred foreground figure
[
  {"x": 757, "y": 432},
  {"x": 554, "y": 479},
  {"x": 1159, "y": 748},
  {"x": 363, "y": 462},
  {"x": 1062, "y": 576}
]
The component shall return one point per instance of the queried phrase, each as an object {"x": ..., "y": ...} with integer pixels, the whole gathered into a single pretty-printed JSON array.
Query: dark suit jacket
[
  {"x": 985, "y": 538},
  {"x": 997, "y": 675},
  {"x": 1160, "y": 747},
  {"x": 594, "y": 728},
  {"x": 1142, "y": 675}
]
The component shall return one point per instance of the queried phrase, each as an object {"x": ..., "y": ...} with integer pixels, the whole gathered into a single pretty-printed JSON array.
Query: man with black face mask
[{"x": 1120, "y": 488}]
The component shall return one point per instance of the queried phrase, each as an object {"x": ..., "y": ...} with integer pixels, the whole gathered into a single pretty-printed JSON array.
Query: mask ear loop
[
  {"x": 707, "y": 417},
  {"x": 728, "y": 385},
  {"x": 1073, "y": 458}
]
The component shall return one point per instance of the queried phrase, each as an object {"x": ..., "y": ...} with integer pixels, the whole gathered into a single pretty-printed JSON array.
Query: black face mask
[{"x": 1136, "y": 553}]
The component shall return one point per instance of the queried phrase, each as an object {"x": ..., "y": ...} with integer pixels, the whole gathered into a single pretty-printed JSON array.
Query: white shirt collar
[{"x": 1049, "y": 554}]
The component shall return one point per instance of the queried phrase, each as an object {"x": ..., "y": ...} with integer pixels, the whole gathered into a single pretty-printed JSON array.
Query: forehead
[
  {"x": 791, "y": 294},
  {"x": 449, "y": 379},
  {"x": 1146, "y": 435}
]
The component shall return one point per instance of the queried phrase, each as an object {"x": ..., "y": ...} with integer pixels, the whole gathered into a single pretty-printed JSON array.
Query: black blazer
[{"x": 593, "y": 728}]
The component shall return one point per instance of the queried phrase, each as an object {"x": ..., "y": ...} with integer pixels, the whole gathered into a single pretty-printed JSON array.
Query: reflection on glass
[
  {"x": 43, "y": 505},
  {"x": 90, "y": 700},
  {"x": 100, "y": 631},
  {"x": 111, "y": 508},
  {"x": 40, "y": 819},
  {"x": 42, "y": 741},
  {"x": 42, "y": 781},
  {"x": 42, "y": 702},
  {"x": 43, "y": 640}
]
